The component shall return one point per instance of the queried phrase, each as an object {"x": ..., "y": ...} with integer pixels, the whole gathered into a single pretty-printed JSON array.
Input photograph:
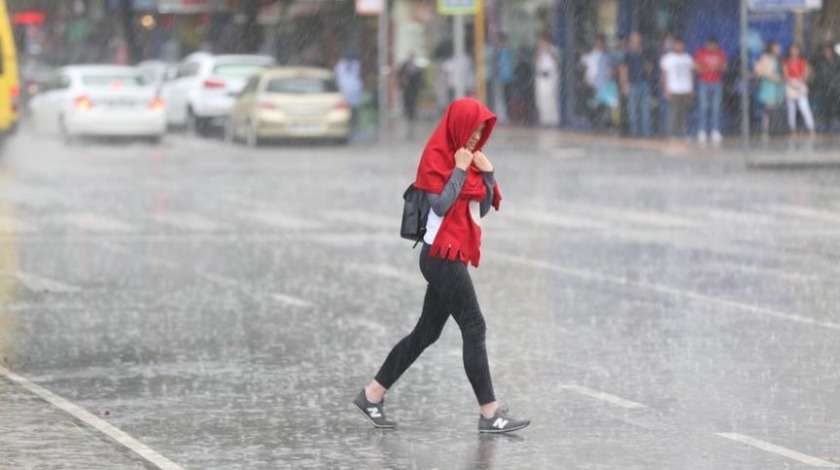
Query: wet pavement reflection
[{"x": 222, "y": 305}]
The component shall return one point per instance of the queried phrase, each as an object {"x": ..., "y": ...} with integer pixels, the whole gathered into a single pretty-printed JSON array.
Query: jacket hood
[{"x": 462, "y": 117}]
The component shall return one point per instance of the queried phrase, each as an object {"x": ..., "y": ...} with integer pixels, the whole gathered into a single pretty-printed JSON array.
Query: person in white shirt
[
  {"x": 547, "y": 82},
  {"x": 678, "y": 83},
  {"x": 348, "y": 75}
]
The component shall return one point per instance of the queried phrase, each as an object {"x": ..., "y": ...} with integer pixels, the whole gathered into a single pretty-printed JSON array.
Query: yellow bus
[{"x": 9, "y": 80}]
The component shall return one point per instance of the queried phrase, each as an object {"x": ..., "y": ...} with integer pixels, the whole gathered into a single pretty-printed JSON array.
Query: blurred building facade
[{"x": 319, "y": 32}]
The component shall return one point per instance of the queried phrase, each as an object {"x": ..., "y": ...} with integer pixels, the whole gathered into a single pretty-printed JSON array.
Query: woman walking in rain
[{"x": 459, "y": 182}]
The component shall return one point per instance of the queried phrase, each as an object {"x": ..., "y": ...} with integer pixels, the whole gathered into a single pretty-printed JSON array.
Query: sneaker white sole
[
  {"x": 502, "y": 431},
  {"x": 377, "y": 426}
]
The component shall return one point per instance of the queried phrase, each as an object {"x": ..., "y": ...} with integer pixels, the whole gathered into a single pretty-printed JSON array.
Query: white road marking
[
  {"x": 388, "y": 271},
  {"x": 364, "y": 218},
  {"x": 611, "y": 399},
  {"x": 788, "y": 275},
  {"x": 568, "y": 153},
  {"x": 784, "y": 452},
  {"x": 739, "y": 217},
  {"x": 188, "y": 221},
  {"x": 647, "y": 218},
  {"x": 251, "y": 202},
  {"x": 42, "y": 284},
  {"x": 93, "y": 421},
  {"x": 666, "y": 290},
  {"x": 292, "y": 301},
  {"x": 556, "y": 220},
  {"x": 284, "y": 221},
  {"x": 223, "y": 281},
  {"x": 97, "y": 223},
  {"x": 114, "y": 247},
  {"x": 372, "y": 326},
  {"x": 810, "y": 213},
  {"x": 160, "y": 261},
  {"x": 13, "y": 225}
]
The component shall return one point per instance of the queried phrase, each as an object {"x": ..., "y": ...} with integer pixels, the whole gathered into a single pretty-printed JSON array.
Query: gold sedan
[{"x": 289, "y": 103}]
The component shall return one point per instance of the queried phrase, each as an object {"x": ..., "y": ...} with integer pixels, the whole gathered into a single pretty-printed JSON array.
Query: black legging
[{"x": 450, "y": 291}]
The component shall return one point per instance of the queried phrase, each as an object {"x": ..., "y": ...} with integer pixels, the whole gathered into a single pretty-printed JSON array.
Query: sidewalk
[
  {"x": 794, "y": 151},
  {"x": 38, "y": 435}
]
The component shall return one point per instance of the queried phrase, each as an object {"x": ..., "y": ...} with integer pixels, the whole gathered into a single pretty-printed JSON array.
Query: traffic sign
[
  {"x": 785, "y": 5},
  {"x": 458, "y": 7}
]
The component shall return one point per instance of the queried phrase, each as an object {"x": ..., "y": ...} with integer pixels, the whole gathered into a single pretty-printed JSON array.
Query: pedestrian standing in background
[
  {"x": 827, "y": 86},
  {"x": 797, "y": 73},
  {"x": 678, "y": 85},
  {"x": 635, "y": 75},
  {"x": 505, "y": 65},
  {"x": 411, "y": 81},
  {"x": 598, "y": 72},
  {"x": 348, "y": 75},
  {"x": 710, "y": 63},
  {"x": 771, "y": 90},
  {"x": 617, "y": 55},
  {"x": 547, "y": 86},
  {"x": 523, "y": 107},
  {"x": 460, "y": 185}
]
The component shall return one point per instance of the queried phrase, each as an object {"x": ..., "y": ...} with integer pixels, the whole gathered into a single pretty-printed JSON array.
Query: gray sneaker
[
  {"x": 374, "y": 412},
  {"x": 501, "y": 422}
]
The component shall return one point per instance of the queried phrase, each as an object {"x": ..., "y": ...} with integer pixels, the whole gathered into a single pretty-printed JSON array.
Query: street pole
[
  {"x": 481, "y": 79},
  {"x": 745, "y": 80},
  {"x": 384, "y": 70},
  {"x": 460, "y": 56}
]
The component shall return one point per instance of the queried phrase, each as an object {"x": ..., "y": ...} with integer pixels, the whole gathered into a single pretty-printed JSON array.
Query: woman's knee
[
  {"x": 424, "y": 339},
  {"x": 474, "y": 328}
]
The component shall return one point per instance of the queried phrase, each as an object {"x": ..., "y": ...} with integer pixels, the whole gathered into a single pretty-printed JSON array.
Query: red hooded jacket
[{"x": 459, "y": 236}]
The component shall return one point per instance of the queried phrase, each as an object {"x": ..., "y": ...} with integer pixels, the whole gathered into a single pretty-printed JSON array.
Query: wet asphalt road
[{"x": 224, "y": 305}]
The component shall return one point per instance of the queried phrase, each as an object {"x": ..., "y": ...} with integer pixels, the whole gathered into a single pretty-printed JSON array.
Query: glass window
[
  {"x": 59, "y": 82},
  {"x": 188, "y": 70},
  {"x": 113, "y": 80},
  {"x": 301, "y": 85},
  {"x": 251, "y": 86},
  {"x": 238, "y": 70}
]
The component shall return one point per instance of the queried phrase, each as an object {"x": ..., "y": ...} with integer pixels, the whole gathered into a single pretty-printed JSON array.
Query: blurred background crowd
[{"x": 640, "y": 68}]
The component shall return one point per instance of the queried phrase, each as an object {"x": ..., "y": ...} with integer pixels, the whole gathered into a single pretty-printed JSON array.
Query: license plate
[
  {"x": 305, "y": 126},
  {"x": 121, "y": 104}
]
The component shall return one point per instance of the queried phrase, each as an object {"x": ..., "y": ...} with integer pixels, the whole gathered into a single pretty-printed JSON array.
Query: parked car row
[
  {"x": 247, "y": 97},
  {"x": 98, "y": 100}
]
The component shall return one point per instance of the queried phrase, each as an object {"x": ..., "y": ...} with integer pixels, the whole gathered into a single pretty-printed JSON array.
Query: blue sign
[{"x": 785, "y": 5}]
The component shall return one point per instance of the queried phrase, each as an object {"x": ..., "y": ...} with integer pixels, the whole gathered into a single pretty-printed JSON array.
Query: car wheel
[
  {"x": 195, "y": 125},
  {"x": 253, "y": 137},
  {"x": 66, "y": 136},
  {"x": 229, "y": 136}
]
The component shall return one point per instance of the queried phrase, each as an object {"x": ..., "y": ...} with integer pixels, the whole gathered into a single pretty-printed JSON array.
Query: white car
[
  {"x": 202, "y": 92},
  {"x": 99, "y": 100}
]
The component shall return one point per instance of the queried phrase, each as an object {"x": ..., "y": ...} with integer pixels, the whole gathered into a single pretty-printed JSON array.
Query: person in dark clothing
[
  {"x": 459, "y": 182},
  {"x": 826, "y": 87},
  {"x": 523, "y": 105},
  {"x": 636, "y": 74},
  {"x": 411, "y": 81}
]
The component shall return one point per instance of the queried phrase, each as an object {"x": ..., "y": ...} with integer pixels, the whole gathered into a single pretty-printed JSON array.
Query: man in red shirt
[{"x": 710, "y": 63}]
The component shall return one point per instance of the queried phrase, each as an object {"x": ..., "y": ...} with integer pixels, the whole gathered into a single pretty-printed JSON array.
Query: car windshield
[
  {"x": 238, "y": 70},
  {"x": 301, "y": 85},
  {"x": 113, "y": 80}
]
